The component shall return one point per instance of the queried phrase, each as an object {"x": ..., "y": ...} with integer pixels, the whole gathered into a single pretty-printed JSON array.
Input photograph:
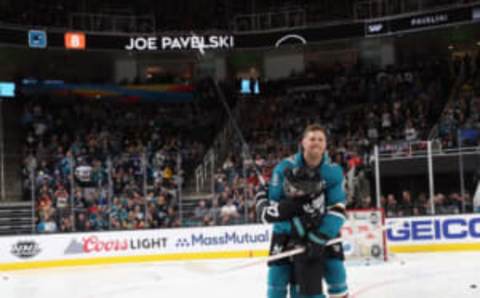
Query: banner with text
[
  {"x": 434, "y": 233},
  {"x": 133, "y": 243}
]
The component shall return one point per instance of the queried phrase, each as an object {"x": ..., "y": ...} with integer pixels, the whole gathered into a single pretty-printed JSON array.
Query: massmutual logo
[{"x": 227, "y": 238}]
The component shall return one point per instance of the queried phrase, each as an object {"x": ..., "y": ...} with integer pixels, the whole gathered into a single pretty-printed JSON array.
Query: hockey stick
[
  {"x": 202, "y": 268},
  {"x": 283, "y": 255},
  {"x": 286, "y": 254}
]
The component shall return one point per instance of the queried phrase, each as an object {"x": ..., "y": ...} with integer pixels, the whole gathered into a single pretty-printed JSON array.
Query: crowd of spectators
[
  {"x": 117, "y": 166},
  {"x": 388, "y": 108},
  {"x": 462, "y": 113},
  {"x": 408, "y": 205},
  {"x": 124, "y": 173}
]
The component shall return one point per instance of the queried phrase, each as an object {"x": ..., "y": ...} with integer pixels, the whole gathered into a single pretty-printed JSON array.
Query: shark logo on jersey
[
  {"x": 316, "y": 205},
  {"x": 273, "y": 210}
]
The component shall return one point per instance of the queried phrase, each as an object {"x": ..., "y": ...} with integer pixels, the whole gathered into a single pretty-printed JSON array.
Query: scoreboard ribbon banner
[
  {"x": 419, "y": 22},
  {"x": 229, "y": 40}
]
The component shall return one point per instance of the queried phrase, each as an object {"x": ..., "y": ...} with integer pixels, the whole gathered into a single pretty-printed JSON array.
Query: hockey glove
[
  {"x": 270, "y": 211},
  {"x": 303, "y": 233},
  {"x": 304, "y": 223},
  {"x": 315, "y": 244}
]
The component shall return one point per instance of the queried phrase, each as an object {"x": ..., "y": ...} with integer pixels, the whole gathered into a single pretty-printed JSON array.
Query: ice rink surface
[{"x": 423, "y": 275}]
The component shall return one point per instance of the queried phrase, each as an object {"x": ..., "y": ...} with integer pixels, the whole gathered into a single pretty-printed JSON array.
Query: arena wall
[{"x": 414, "y": 234}]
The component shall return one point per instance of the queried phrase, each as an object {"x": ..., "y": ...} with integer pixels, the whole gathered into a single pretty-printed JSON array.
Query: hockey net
[{"x": 364, "y": 235}]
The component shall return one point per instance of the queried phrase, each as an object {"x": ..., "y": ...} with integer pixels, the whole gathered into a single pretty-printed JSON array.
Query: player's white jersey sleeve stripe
[
  {"x": 337, "y": 214},
  {"x": 262, "y": 218},
  {"x": 338, "y": 205}
]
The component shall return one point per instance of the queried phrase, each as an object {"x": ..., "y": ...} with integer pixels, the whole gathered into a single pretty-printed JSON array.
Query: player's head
[{"x": 314, "y": 140}]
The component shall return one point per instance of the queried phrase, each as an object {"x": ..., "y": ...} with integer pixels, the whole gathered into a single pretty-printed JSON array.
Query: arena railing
[
  {"x": 66, "y": 187},
  {"x": 431, "y": 173},
  {"x": 372, "y": 9},
  {"x": 283, "y": 19},
  {"x": 112, "y": 23}
]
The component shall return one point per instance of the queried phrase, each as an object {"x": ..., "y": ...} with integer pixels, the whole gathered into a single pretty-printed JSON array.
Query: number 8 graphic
[{"x": 75, "y": 41}]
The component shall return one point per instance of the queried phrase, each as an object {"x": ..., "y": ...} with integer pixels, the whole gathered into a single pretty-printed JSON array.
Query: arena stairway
[
  {"x": 16, "y": 218},
  {"x": 13, "y": 138}
]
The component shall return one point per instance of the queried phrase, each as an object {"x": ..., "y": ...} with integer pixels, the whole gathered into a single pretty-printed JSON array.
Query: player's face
[{"x": 314, "y": 143}]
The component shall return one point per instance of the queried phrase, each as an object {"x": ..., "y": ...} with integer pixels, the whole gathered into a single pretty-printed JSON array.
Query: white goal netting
[{"x": 364, "y": 235}]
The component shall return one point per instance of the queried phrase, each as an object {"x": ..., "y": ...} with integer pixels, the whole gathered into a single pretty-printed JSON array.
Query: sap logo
[
  {"x": 428, "y": 229},
  {"x": 375, "y": 28}
]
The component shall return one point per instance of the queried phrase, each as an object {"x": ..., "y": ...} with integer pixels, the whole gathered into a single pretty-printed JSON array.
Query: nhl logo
[{"x": 25, "y": 249}]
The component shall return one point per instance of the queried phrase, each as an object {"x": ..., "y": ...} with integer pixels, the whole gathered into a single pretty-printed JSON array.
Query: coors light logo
[{"x": 94, "y": 244}]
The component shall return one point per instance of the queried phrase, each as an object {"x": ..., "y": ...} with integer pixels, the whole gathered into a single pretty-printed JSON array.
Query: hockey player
[{"x": 306, "y": 203}]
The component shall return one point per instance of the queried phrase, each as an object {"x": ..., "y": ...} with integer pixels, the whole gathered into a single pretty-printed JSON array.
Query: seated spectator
[
  {"x": 406, "y": 204},
  {"x": 46, "y": 224},
  {"x": 81, "y": 223},
  {"x": 201, "y": 212},
  {"x": 229, "y": 213},
  {"x": 365, "y": 203},
  {"x": 391, "y": 207}
]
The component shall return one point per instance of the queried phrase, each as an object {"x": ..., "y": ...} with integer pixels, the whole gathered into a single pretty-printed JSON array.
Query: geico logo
[{"x": 456, "y": 228}]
